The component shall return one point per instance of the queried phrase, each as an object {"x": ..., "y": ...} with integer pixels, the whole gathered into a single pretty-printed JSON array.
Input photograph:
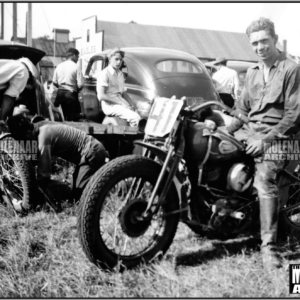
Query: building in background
[
  {"x": 97, "y": 35},
  {"x": 55, "y": 50},
  {"x": 204, "y": 44},
  {"x": 91, "y": 41}
]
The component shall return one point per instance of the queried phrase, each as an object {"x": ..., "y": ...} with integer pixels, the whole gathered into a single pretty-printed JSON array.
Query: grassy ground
[{"x": 40, "y": 256}]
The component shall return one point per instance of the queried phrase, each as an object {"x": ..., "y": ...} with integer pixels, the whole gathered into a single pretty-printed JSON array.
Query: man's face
[
  {"x": 263, "y": 44},
  {"x": 75, "y": 58},
  {"x": 218, "y": 67},
  {"x": 116, "y": 61},
  {"x": 29, "y": 136}
]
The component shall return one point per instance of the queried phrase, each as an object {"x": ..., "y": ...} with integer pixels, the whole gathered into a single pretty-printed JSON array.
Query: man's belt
[
  {"x": 263, "y": 123},
  {"x": 66, "y": 90}
]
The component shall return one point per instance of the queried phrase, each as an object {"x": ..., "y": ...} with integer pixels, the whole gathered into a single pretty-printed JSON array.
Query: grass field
[{"x": 40, "y": 256}]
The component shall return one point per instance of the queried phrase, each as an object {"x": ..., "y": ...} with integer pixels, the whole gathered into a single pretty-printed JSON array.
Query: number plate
[{"x": 162, "y": 116}]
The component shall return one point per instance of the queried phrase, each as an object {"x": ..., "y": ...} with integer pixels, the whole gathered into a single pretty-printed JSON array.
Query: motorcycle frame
[{"x": 176, "y": 148}]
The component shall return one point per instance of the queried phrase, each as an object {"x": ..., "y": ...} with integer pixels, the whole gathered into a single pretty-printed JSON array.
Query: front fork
[{"x": 176, "y": 155}]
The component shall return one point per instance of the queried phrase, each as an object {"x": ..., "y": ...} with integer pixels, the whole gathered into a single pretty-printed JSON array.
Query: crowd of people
[{"x": 270, "y": 99}]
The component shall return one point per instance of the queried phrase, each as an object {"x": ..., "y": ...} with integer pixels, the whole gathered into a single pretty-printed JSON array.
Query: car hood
[{"x": 18, "y": 51}]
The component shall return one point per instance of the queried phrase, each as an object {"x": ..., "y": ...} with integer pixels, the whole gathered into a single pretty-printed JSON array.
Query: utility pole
[
  {"x": 15, "y": 24},
  {"x": 2, "y": 20},
  {"x": 29, "y": 25},
  {"x": 284, "y": 45},
  {"x": 54, "y": 47}
]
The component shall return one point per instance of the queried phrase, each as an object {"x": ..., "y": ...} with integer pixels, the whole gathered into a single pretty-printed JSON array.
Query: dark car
[
  {"x": 240, "y": 67},
  {"x": 34, "y": 99},
  {"x": 151, "y": 72}
]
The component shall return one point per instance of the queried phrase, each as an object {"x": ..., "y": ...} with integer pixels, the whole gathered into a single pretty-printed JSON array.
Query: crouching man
[{"x": 60, "y": 140}]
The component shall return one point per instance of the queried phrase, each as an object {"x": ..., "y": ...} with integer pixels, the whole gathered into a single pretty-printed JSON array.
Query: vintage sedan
[{"x": 151, "y": 72}]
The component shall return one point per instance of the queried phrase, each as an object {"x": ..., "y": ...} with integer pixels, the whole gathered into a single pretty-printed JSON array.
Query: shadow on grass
[{"x": 219, "y": 249}]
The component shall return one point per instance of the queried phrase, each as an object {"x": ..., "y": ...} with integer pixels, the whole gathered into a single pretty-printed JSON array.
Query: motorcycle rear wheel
[
  {"x": 108, "y": 231},
  {"x": 290, "y": 215}
]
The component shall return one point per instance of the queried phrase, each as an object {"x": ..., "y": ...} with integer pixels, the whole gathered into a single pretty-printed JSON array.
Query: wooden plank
[{"x": 96, "y": 128}]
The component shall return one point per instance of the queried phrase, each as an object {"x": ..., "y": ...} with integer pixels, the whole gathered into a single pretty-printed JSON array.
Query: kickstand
[{"x": 56, "y": 208}]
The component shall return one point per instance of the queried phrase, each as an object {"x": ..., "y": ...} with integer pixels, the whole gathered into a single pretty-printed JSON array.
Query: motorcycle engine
[{"x": 239, "y": 177}]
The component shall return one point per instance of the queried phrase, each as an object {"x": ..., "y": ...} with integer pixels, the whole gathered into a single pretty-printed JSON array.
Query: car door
[{"x": 90, "y": 104}]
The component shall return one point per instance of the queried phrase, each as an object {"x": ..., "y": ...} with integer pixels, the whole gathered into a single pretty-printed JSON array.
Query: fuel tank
[{"x": 224, "y": 147}]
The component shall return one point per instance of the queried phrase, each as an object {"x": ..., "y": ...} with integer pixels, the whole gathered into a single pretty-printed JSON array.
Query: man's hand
[
  {"x": 254, "y": 147},
  {"x": 127, "y": 104}
]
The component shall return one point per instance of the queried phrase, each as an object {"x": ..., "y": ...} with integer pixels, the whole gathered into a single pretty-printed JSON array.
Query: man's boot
[{"x": 269, "y": 209}]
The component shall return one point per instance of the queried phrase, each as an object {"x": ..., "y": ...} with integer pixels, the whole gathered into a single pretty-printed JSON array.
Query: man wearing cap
[
  {"x": 16, "y": 75},
  {"x": 69, "y": 81},
  {"x": 226, "y": 81}
]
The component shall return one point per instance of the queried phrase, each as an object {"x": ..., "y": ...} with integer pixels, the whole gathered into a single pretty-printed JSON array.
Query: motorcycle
[{"x": 190, "y": 171}]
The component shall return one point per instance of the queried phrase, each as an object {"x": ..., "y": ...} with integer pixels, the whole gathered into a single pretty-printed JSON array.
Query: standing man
[
  {"x": 69, "y": 81},
  {"x": 111, "y": 90},
  {"x": 57, "y": 139},
  {"x": 226, "y": 81},
  {"x": 15, "y": 76},
  {"x": 270, "y": 99}
]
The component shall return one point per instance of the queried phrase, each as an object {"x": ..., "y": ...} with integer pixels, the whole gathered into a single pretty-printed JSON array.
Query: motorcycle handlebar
[{"x": 239, "y": 116}]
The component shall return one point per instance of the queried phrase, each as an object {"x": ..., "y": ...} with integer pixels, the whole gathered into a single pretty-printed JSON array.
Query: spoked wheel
[
  {"x": 112, "y": 231},
  {"x": 291, "y": 211},
  {"x": 16, "y": 176}
]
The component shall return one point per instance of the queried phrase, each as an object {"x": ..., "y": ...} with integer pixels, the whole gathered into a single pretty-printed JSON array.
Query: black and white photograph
[{"x": 150, "y": 150}]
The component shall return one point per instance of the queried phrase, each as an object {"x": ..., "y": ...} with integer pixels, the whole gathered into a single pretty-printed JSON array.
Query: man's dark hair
[
  {"x": 72, "y": 51},
  {"x": 223, "y": 63},
  {"x": 261, "y": 24},
  {"x": 18, "y": 126}
]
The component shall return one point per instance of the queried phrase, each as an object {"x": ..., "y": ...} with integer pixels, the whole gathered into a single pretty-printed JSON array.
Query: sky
[{"x": 234, "y": 17}]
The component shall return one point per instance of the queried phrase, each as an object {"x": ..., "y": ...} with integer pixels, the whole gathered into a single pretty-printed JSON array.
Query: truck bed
[{"x": 93, "y": 128}]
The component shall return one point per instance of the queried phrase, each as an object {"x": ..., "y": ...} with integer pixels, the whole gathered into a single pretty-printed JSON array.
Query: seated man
[
  {"x": 57, "y": 139},
  {"x": 16, "y": 75},
  {"x": 111, "y": 91}
]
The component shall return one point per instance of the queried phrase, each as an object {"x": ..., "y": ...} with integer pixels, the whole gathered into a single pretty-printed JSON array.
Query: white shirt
[
  {"x": 114, "y": 81},
  {"x": 68, "y": 76},
  {"x": 48, "y": 90},
  {"x": 13, "y": 77},
  {"x": 226, "y": 81}
]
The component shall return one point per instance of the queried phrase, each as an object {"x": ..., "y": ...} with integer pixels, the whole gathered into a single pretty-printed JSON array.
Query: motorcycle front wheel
[
  {"x": 17, "y": 178},
  {"x": 111, "y": 230}
]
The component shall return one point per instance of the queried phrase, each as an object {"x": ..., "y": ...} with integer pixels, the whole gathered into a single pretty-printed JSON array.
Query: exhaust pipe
[{"x": 237, "y": 215}]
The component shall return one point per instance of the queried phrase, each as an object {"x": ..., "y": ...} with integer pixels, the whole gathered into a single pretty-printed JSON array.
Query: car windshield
[
  {"x": 178, "y": 66},
  {"x": 96, "y": 68}
]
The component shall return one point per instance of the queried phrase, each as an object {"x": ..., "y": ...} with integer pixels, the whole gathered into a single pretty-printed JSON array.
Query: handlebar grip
[{"x": 240, "y": 116}]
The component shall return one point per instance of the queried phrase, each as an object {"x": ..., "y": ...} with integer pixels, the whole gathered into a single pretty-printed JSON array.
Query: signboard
[{"x": 90, "y": 43}]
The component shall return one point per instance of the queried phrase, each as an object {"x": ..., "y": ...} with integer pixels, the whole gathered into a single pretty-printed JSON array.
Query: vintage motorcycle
[{"x": 190, "y": 171}]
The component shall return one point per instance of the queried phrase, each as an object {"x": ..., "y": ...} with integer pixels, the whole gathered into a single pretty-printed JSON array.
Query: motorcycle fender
[
  {"x": 161, "y": 154},
  {"x": 178, "y": 180},
  {"x": 4, "y": 135}
]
